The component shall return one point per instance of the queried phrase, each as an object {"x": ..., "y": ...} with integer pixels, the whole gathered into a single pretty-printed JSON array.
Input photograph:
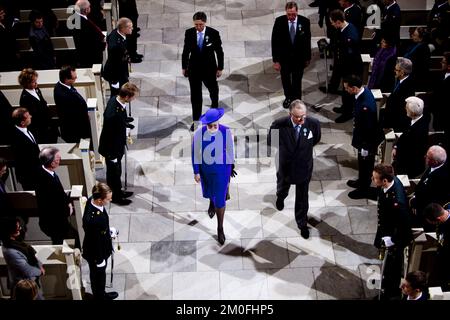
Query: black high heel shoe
[
  {"x": 211, "y": 211},
  {"x": 220, "y": 236}
]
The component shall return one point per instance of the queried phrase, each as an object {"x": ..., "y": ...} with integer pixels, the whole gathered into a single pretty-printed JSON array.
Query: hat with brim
[{"x": 212, "y": 115}]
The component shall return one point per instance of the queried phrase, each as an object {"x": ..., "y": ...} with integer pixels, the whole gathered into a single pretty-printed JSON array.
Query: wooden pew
[{"x": 89, "y": 84}]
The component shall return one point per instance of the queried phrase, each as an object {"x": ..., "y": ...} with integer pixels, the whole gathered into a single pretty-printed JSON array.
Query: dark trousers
[
  {"x": 195, "y": 83},
  {"x": 392, "y": 273},
  {"x": 291, "y": 79},
  {"x": 70, "y": 233},
  {"x": 114, "y": 91},
  {"x": 365, "y": 168},
  {"x": 98, "y": 280},
  {"x": 301, "y": 199},
  {"x": 113, "y": 174}
]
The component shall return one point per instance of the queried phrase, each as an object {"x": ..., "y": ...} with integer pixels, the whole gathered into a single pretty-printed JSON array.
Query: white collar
[
  {"x": 417, "y": 298},
  {"x": 391, "y": 5},
  {"x": 121, "y": 34},
  {"x": 33, "y": 92},
  {"x": 447, "y": 75},
  {"x": 82, "y": 15},
  {"x": 359, "y": 93},
  {"x": 65, "y": 85},
  {"x": 295, "y": 21},
  {"x": 404, "y": 78},
  {"x": 346, "y": 25},
  {"x": 390, "y": 186},
  {"x": 124, "y": 105},
  {"x": 441, "y": 4},
  {"x": 101, "y": 208},
  {"x": 417, "y": 119},
  {"x": 204, "y": 30},
  {"x": 435, "y": 168},
  {"x": 349, "y": 7},
  {"x": 52, "y": 173}
]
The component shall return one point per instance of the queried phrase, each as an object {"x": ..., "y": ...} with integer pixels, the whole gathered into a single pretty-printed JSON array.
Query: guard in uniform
[
  {"x": 97, "y": 244},
  {"x": 439, "y": 216},
  {"x": 394, "y": 230}
]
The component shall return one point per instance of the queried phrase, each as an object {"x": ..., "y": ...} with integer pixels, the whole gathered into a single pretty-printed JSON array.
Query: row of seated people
[{"x": 87, "y": 35}]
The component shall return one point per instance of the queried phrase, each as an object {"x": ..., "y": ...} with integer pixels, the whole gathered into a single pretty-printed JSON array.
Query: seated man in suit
[
  {"x": 25, "y": 149},
  {"x": 71, "y": 107},
  {"x": 198, "y": 62},
  {"x": 54, "y": 204}
]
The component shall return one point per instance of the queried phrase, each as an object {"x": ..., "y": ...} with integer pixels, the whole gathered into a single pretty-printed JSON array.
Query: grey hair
[
  {"x": 405, "y": 64},
  {"x": 297, "y": 104},
  {"x": 415, "y": 106},
  {"x": 438, "y": 154},
  {"x": 83, "y": 5},
  {"x": 47, "y": 155}
]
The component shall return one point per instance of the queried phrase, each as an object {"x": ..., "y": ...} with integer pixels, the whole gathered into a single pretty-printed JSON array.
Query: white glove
[
  {"x": 114, "y": 160},
  {"x": 113, "y": 232},
  {"x": 387, "y": 241},
  {"x": 364, "y": 153},
  {"x": 115, "y": 85},
  {"x": 102, "y": 264}
]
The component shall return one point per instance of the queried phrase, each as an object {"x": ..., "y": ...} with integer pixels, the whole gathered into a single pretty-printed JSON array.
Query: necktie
[
  {"x": 200, "y": 40},
  {"x": 31, "y": 136},
  {"x": 73, "y": 89},
  {"x": 297, "y": 131},
  {"x": 396, "y": 86},
  {"x": 292, "y": 31},
  {"x": 56, "y": 178}
]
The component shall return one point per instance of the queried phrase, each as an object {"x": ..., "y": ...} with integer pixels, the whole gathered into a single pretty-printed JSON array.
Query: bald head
[
  {"x": 436, "y": 156},
  {"x": 84, "y": 6}
]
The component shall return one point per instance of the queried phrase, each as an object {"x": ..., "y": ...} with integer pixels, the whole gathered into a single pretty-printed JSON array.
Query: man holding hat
[{"x": 213, "y": 163}]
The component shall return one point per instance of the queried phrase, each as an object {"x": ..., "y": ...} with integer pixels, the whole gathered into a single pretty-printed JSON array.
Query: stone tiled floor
[{"x": 168, "y": 243}]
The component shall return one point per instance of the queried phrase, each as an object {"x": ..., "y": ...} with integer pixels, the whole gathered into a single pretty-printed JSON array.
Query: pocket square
[
  {"x": 209, "y": 44},
  {"x": 310, "y": 135}
]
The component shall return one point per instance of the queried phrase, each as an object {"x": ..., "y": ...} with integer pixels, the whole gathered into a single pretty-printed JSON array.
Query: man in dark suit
[
  {"x": 394, "y": 229},
  {"x": 390, "y": 21},
  {"x": 113, "y": 140},
  {"x": 116, "y": 70},
  {"x": 198, "y": 62},
  {"x": 440, "y": 111},
  {"x": 439, "y": 215},
  {"x": 410, "y": 148},
  {"x": 353, "y": 14},
  {"x": 128, "y": 9},
  {"x": 54, "y": 204},
  {"x": 347, "y": 61},
  {"x": 89, "y": 39},
  {"x": 25, "y": 149},
  {"x": 432, "y": 187},
  {"x": 6, "y": 125},
  {"x": 394, "y": 114},
  {"x": 291, "y": 50},
  {"x": 71, "y": 107},
  {"x": 295, "y": 136},
  {"x": 367, "y": 135}
]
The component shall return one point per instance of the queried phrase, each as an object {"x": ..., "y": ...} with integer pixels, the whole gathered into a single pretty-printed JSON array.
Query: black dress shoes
[
  {"x": 353, "y": 183},
  {"x": 111, "y": 295},
  {"x": 192, "y": 127},
  {"x": 286, "y": 103},
  {"x": 129, "y": 119},
  {"x": 220, "y": 236},
  {"x": 135, "y": 59},
  {"x": 314, "y": 4},
  {"x": 343, "y": 118},
  {"x": 358, "y": 194},
  {"x": 304, "y": 232},
  {"x": 338, "y": 109},
  {"x": 279, "y": 204},
  {"x": 127, "y": 194},
  {"x": 121, "y": 201}
]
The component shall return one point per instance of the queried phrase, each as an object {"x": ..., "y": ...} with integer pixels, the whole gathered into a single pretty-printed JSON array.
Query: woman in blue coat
[{"x": 213, "y": 163}]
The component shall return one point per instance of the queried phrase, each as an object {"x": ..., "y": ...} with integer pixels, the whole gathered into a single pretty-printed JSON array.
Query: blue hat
[{"x": 212, "y": 115}]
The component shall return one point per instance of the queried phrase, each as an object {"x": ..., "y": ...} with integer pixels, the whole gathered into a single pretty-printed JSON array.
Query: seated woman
[
  {"x": 382, "y": 76},
  {"x": 409, "y": 150},
  {"x": 32, "y": 99},
  {"x": 20, "y": 257}
]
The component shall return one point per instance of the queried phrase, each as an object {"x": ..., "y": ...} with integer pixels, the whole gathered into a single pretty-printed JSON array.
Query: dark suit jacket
[
  {"x": 348, "y": 54},
  {"x": 411, "y": 147},
  {"x": 26, "y": 158},
  {"x": 89, "y": 42},
  {"x": 202, "y": 62},
  {"x": 97, "y": 245},
  {"x": 395, "y": 113},
  {"x": 433, "y": 187},
  {"x": 73, "y": 114},
  {"x": 295, "y": 159},
  {"x": 367, "y": 134},
  {"x": 390, "y": 21},
  {"x": 354, "y": 16},
  {"x": 6, "y": 125},
  {"x": 39, "y": 111},
  {"x": 52, "y": 203},
  {"x": 393, "y": 216},
  {"x": 441, "y": 112},
  {"x": 419, "y": 54},
  {"x": 113, "y": 137},
  {"x": 286, "y": 52},
  {"x": 116, "y": 67}
]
